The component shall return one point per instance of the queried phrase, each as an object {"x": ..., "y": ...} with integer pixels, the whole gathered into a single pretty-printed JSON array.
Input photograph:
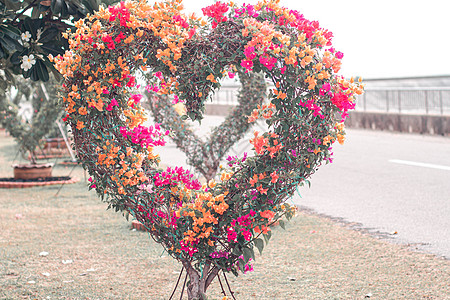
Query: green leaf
[
  {"x": 91, "y": 5},
  {"x": 39, "y": 71},
  {"x": 15, "y": 57},
  {"x": 10, "y": 44},
  {"x": 64, "y": 9},
  {"x": 56, "y": 6},
  {"x": 267, "y": 236},
  {"x": 249, "y": 251},
  {"x": 236, "y": 251},
  {"x": 241, "y": 265},
  {"x": 35, "y": 13},
  {"x": 259, "y": 243},
  {"x": 9, "y": 76},
  {"x": 10, "y": 30},
  {"x": 48, "y": 35},
  {"x": 282, "y": 225},
  {"x": 52, "y": 48}
]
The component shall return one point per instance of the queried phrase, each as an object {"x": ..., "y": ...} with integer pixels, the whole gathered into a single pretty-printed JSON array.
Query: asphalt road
[
  {"x": 389, "y": 183},
  {"x": 385, "y": 182}
]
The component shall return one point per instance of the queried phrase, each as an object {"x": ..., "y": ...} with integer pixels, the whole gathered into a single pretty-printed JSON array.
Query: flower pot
[{"x": 32, "y": 171}]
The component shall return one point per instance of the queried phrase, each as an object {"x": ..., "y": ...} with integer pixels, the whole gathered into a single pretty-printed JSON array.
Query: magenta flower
[
  {"x": 339, "y": 55},
  {"x": 249, "y": 53},
  {"x": 112, "y": 104},
  {"x": 248, "y": 64}
]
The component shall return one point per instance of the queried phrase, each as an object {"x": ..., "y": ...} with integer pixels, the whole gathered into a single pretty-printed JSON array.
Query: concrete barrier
[{"x": 425, "y": 124}]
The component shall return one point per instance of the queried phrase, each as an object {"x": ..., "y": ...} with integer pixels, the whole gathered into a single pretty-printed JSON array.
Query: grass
[{"x": 314, "y": 258}]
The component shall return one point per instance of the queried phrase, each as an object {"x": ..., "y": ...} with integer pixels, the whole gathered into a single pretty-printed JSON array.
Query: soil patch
[{"x": 24, "y": 183}]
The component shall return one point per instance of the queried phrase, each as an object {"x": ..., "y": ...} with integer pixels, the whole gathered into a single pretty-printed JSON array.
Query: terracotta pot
[{"x": 29, "y": 171}]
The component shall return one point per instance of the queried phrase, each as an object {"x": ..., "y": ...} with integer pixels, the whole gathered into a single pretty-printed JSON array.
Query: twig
[{"x": 24, "y": 10}]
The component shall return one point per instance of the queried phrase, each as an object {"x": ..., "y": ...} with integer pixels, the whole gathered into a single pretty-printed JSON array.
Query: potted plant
[{"x": 29, "y": 132}]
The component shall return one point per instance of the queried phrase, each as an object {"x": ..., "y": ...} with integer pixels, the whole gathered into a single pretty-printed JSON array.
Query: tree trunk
[
  {"x": 195, "y": 289},
  {"x": 199, "y": 283}
]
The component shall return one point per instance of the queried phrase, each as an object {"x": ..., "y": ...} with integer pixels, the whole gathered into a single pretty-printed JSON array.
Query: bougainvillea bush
[{"x": 214, "y": 227}]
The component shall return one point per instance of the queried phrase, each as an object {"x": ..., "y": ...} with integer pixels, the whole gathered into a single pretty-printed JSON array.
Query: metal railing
[{"x": 404, "y": 100}]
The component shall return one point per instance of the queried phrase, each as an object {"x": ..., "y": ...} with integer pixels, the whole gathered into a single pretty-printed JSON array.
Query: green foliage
[
  {"x": 29, "y": 134},
  {"x": 34, "y": 28}
]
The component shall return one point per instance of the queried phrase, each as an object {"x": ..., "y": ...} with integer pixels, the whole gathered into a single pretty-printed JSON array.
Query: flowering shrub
[{"x": 214, "y": 227}]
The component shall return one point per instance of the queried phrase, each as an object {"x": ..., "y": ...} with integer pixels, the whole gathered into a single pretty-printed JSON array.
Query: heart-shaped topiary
[
  {"x": 214, "y": 227},
  {"x": 206, "y": 156}
]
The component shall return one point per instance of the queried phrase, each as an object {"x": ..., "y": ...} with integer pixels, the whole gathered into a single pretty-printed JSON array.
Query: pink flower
[
  {"x": 131, "y": 81},
  {"x": 181, "y": 21},
  {"x": 231, "y": 235},
  {"x": 145, "y": 136},
  {"x": 249, "y": 53},
  {"x": 175, "y": 99},
  {"x": 325, "y": 89},
  {"x": 216, "y": 11},
  {"x": 231, "y": 75},
  {"x": 339, "y": 55},
  {"x": 268, "y": 61},
  {"x": 173, "y": 176},
  {"x": 112, "y": 104},
  {"x": 136, "y": 98},
  {"x": 152, "y": 88},
  {"x": 248, "y": 64}
]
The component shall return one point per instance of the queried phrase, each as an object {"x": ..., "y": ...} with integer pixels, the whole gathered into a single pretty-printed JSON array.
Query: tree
[
  {"x": 30, "y": 30},
  {"x": 44, "y": 102}
]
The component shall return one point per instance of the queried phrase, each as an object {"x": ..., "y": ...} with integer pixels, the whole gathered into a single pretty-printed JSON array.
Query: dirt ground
[{"x": 93, "y": 253}]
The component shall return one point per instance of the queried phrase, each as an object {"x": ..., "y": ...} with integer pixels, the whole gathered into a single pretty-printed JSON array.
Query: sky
[{"x": 379, "y": 39}]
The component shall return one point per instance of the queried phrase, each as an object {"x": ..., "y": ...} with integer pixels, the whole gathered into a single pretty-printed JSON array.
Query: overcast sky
[{"x": 383, "y": 38}]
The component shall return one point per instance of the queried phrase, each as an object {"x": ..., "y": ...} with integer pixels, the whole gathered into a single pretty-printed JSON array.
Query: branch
[{"x": 24, "y": 10}]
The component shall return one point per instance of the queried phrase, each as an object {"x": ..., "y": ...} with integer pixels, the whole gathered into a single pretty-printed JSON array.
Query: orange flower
[
  {"x": 210, "y": 77},
  {"x": 268, "y": 214},
  {"x": 80, "y": 125},
  {"x": 264, "y": 229},
  {"x": 82, "y": 111},
  {"x": 259, "y": 142}
]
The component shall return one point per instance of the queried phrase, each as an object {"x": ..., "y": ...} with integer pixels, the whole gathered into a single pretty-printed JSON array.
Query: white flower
[
  {"x": 26, "y": 36},
  {"x": 27, "y": 62}
]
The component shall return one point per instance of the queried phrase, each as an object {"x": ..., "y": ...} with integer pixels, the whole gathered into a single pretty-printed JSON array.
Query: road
[{"x": 387, "y": 182}]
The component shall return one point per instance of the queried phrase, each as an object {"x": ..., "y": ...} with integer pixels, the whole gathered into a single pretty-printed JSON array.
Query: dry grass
[{"x": 315, "y": 258}]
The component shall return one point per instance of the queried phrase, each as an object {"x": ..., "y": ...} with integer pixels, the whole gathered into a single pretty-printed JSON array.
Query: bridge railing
[{"x": 404, "y": 100}]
